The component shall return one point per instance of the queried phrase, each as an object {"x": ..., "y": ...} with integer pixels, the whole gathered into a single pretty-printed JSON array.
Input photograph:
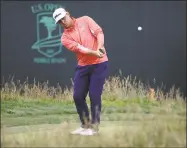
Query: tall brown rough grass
[{"x": 114, "y": 88}]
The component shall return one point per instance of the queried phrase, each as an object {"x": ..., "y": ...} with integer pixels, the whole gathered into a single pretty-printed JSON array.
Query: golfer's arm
[
  {"x": 97, "y": 31},
  {"x": 100, "y": 40},
  {"x": 74, "y": 46},
  {"x": 85, "y": 50}
]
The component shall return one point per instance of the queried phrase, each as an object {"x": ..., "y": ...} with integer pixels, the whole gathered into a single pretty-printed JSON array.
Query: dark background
[{"x": 158, "y": 51}]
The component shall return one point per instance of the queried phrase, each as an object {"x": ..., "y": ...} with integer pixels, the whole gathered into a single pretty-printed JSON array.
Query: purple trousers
[{"x": 90, "y": 79}]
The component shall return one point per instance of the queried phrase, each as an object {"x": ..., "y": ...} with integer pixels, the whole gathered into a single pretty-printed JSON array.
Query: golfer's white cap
[{"x": 58, "y": 14}]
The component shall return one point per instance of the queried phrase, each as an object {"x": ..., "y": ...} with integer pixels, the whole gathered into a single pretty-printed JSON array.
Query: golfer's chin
[{"x": 66, "y": 26}]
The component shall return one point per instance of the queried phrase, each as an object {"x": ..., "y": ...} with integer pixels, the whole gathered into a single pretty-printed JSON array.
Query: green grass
[
  {"x": 23, "y": 111},
  {"x": 153, "y": 134},
  {"x": 129, "y": 118},
  {"x": 130, "y": 123}
]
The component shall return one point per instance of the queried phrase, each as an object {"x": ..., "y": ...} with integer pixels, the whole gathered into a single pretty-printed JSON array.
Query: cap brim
[{"x": 60, "y": 17}]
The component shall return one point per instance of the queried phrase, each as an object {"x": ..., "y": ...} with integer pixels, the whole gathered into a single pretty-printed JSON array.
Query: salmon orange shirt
[{"x": 83, "y": 33}]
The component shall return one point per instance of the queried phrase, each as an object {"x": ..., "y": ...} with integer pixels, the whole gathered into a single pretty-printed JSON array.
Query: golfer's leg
[
  {"x": 81, "y": 83},
  {"x": 95, "y": 90}
]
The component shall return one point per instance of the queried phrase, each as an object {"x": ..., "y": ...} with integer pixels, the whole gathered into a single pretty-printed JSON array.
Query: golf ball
[{"x": 139, "y": 28}]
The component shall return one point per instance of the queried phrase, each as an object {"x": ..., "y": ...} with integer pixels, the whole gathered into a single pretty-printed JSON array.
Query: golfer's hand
[{"x": 98, "y": 54}]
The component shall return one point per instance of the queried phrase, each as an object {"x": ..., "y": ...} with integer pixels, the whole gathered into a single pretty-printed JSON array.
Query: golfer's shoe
[
  {"x": 78, "y": 131},
  {"x": 88, "y": 132}
]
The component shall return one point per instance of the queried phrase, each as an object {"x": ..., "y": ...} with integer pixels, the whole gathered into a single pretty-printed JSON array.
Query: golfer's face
[{"x": 65, "y": 21}]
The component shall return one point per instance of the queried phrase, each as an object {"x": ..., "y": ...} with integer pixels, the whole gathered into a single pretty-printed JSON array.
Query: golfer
[{"x": 85, "y": 38}]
